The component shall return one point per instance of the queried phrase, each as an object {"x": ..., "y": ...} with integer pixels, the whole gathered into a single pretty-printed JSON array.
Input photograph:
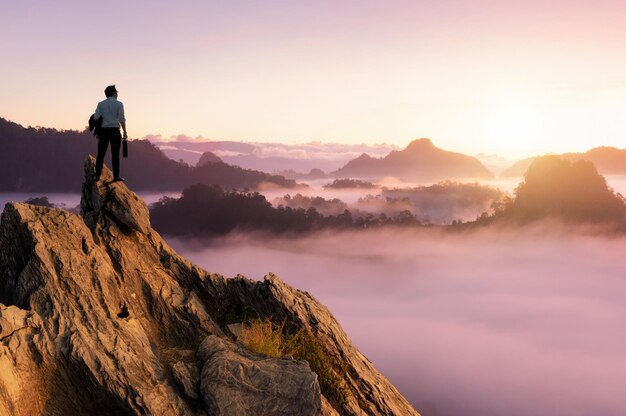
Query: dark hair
[{"x": 110, "y": 90}]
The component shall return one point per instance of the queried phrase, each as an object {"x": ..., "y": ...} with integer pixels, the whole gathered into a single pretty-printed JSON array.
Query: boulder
[{"x": 238, "y": 382}]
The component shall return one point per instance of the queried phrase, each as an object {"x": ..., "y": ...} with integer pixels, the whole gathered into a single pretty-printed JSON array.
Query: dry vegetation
[{"x": 269, "y": 338}]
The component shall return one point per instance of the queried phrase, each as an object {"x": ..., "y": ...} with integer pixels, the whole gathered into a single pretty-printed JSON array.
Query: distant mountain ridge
[
  {"x": 420, "y": 160},
  {"x": 272, "y": 157},
  {"x": 608, "y": 160},
  {"x": 42, "y": 159}
]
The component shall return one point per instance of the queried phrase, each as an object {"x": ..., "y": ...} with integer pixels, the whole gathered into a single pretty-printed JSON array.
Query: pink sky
[{"x": 509, "y": 77}]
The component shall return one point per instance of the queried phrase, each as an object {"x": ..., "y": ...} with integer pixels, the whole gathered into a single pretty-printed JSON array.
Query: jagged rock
[
  {"x": 370, "y": 392},
  {"x": 187, "y": 377},
  {"x": 237, "y": 382},
  {"x": 113, "y": 200},
  {"x": 77, "y": 289},
  {"x": 99, "y": 316},
  {"x": 327, "y": 408},
  {"x": 12, "y": 319},
  {"x": 235, "y": 329}
]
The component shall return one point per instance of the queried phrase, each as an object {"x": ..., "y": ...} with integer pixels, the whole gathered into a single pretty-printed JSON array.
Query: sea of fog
[
  {"x": 71, "y": 200},
  {"x": 508, "y": 322},
  {"x": 617, "y": 182}
]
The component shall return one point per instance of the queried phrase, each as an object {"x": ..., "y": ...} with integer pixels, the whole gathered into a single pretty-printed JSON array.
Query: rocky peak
[
  {"x": 107, "y": 201},
  {"x": 99, "y": 316}
]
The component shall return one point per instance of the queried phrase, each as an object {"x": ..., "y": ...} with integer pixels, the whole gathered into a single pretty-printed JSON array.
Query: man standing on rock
[{"x": 112, "y": 113}]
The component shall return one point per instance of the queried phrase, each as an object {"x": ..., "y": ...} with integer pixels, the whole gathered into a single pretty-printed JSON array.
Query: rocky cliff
[{"x": 99, "y": 316}]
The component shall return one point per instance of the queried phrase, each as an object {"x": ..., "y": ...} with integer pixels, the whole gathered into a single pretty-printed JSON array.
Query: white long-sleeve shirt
[{"x": 112, "y": 112}]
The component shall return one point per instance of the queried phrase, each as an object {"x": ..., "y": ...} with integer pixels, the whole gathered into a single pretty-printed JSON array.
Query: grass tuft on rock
[{"x": 266, "y": 337}]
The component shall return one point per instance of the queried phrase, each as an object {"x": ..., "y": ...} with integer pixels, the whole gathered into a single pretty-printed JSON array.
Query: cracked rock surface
[
  {"x": 99, "y": 316},
  {"x": 231, "y": 375}
]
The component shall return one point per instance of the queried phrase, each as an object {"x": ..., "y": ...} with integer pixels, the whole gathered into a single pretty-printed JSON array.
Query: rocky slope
[{"x": 99, "y": 316}]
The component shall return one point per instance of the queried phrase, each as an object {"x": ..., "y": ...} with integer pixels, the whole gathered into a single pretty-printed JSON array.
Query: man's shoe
[{"x": 118, "y": 179}]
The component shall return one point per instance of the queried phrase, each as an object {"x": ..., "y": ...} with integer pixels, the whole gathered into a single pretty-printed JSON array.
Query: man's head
[{"x": 110, "y": 91}]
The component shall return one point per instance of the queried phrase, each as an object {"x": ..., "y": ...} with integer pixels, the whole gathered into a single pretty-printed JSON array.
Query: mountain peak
[
  {"x": 421, "y": 160},
  {"x": 420, "y": 145},
  {"x": 106, "y": 200},
  {"x": 208, "y": 157}
]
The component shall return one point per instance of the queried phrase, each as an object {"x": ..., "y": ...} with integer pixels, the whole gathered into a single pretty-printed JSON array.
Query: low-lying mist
[
  {"x": 490, "y": 322},
  {"x": 443, "y": 203}
]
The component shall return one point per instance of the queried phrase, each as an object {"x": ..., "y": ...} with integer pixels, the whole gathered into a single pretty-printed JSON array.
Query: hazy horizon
[
  {"x": 484, "y": 154},
  {"x": 335, "y": 151}
]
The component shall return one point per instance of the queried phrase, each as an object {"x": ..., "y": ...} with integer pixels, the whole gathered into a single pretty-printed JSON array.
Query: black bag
[{"x": 125, "y": 148}]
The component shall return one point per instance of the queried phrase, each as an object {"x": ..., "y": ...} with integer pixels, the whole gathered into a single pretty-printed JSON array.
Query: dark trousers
[{"x": 109, "y": 135}]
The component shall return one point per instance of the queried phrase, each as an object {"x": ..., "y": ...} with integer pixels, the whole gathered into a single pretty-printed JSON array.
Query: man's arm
[
  {"x": 98, "y": 113},
  {"x": 123, "y": 124}
]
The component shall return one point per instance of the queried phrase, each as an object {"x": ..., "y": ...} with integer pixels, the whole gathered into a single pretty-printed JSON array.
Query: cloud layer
[{"x": 513, "y": 322}]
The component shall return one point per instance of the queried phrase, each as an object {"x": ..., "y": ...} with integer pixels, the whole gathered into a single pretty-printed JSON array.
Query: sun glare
[{"x": 517, "y": 124}]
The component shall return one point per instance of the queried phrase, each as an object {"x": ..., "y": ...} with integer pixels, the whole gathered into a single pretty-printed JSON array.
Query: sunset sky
[{"x": 509, "y": 77}]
